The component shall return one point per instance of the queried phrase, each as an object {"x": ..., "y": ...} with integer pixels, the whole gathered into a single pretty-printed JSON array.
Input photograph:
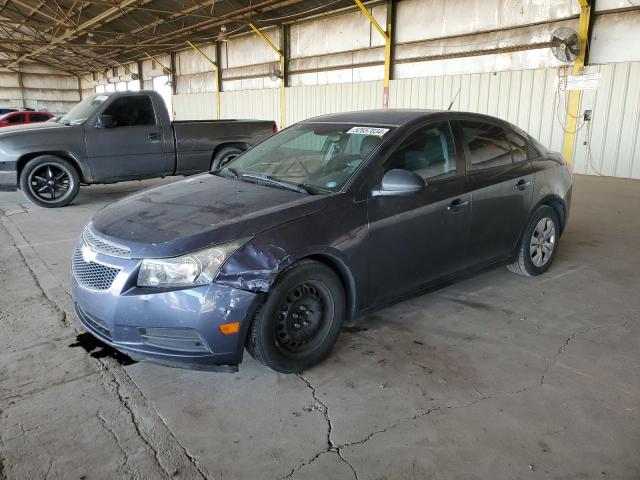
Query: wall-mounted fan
[
  {"x": 274, "y": 71},
  {"x": 565, "y": 44}
]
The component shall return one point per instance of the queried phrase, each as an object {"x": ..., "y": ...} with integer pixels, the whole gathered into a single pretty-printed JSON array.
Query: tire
[
  {"x": 539, "y": 243},
  {"x": 37, "y": 176},
  {"x": 224, "y": 156},
  {"x": 288, "y": 343}
]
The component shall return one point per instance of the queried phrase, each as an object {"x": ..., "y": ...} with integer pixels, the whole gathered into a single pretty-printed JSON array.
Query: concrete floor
[{"x": 497, "y": 377}]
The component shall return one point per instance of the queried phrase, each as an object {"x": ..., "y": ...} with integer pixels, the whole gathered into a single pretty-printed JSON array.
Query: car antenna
[{"x": 454, "y": 98}]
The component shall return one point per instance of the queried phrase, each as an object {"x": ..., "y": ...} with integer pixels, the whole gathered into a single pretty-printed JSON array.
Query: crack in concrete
[
  {"x": 3, "y": 474},
  {"x": 106, "y": 369},
  {"x": 64, "y": 318},
  {"x": 125, "y": 455},
  {"x": 556, "y": 356},
  {"x": 339, "y": 448},
  {"x": 331, "y": 447}
]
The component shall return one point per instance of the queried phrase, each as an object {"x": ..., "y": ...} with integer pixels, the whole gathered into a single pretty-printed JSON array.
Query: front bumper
[{"x": 177, "y": 327}]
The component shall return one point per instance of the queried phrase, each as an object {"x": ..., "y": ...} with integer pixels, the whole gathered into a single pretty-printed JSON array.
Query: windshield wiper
[
  {"x": 225, "y": 172},
  {"x": 276, "y": 182}
]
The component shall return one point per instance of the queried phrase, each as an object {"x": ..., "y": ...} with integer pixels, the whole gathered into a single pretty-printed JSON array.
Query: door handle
[
  {"x": 522, "y": 184},
  {"x": 154, "y": 136},
  {"x": 457, "y": 205}
]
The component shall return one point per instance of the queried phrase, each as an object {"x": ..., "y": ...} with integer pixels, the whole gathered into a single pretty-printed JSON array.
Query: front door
[
  {"x": 502, "y": 181},
  {"x": 417, "y": 239},
  {"x": 133, "y": 147}
]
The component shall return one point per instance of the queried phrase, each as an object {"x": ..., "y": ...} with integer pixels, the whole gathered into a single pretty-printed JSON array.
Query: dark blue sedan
[{"x": 329, "y": 219}]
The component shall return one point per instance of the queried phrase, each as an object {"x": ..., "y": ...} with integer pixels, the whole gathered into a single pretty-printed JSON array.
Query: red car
[{"x": 20, "y": 118}]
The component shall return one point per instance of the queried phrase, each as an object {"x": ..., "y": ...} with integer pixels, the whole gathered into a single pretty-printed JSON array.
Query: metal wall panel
[
  {"x": 531, "y": 99},
  {"x": 610, "y": 143}
]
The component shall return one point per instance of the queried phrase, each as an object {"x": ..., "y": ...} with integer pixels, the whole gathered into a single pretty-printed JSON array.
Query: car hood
[
  {"x": 29, "y": 127},
  {"x": 200, "y": 211}
]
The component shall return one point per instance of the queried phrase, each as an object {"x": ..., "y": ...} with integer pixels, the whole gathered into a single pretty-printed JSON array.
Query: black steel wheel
[
  {"x": 303, "y": 318},
  {"x": 300, "y": 320},
  {"x": 50, "y": 181}
]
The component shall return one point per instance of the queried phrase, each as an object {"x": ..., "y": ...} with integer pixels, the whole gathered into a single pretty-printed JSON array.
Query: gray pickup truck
[{"x": 113, "y": 137}]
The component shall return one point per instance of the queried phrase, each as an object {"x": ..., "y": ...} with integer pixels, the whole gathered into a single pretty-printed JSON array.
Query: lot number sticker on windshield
[{"x": 378, "y": 132}]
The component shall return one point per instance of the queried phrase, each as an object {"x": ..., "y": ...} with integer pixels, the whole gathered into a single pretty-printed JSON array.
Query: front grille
[
  {"x": 92, "y": 275},
  {"x": 92, "y": 322},
  {"x": 104, "y": 246}
]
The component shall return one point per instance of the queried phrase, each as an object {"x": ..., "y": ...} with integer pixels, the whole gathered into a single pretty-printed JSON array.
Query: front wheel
[
  {"x": 539, "y": 243},
  {"x": 300, "y": 321},
  {"x": 50, "y": 181}
]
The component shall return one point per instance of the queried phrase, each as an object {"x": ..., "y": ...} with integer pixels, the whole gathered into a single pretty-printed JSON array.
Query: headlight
[{"x": 197, "y": 268}]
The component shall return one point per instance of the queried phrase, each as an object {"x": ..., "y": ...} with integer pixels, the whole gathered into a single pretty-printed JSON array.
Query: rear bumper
[
  {"x": 8, "y": 180},
  {"x": 176, "y": 327}
]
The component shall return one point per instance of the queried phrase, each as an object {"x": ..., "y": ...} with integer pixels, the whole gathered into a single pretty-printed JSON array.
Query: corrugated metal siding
[
  {"x": 526, "y": 98},
  {"x": 310, "y": 101},
  {"x": 530, "y": 99},
  {"x": 611, "y": 144}
]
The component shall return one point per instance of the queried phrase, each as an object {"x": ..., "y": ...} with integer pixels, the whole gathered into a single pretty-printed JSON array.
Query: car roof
[{"x": 389, "y": 117}]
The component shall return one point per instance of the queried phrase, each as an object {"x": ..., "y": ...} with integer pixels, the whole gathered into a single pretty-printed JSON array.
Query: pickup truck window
[
  {"x": 130, "y": 111},
  {"x": 83, "y": 110}
]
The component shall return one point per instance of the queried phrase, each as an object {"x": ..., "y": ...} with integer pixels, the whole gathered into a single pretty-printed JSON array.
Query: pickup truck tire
[
  {"x": 300, "y": 320},
  {"x": 50, "y": 181},
  {"x": 224, "y": 156}
]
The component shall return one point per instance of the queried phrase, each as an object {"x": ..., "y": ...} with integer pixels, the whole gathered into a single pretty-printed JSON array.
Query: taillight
[{"x": 275, "y": 127}]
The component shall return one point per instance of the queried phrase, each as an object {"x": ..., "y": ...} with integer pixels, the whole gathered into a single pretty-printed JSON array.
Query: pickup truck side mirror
[
  {"x": 398, "y": 183},
  {"x": 105, "y": 121}
]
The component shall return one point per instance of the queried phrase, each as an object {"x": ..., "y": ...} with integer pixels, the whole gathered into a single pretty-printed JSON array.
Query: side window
[
  {"x": 18, "y": 118},
  {"x": 427, "y": 152},
  {"x": 38, "y": 117},
  {"x": 131, "y": 111},
  {"x": 486, "y": 144},
  {"x": 519, "y": 147}
]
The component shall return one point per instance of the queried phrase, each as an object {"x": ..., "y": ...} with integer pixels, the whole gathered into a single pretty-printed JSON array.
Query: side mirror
[
  {"x": 105, "y": 121},
  {"x": 399, "y": 182}
]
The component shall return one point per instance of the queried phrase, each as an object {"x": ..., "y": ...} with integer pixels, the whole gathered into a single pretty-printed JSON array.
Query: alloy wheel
[
  {"x": 49, "y": 182},
  {"x": 543, "y": 242}
]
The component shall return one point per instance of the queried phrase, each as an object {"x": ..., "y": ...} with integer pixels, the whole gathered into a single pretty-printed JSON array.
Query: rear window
[
  {"x": 486, "y": 144},
  {"x": 39, "y": 117}
]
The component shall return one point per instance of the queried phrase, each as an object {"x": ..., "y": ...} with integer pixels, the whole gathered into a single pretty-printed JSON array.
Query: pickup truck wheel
[
  {"x": 300, "y": 320},
  {"x": 224, "y": 156},
  {"x": 50, "y": 181}
]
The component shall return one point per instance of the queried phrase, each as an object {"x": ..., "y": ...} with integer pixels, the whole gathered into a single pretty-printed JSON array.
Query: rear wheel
[
  {"x": 50, "y": 181},
  {"x": 224, "y": 156},
  {"x": 300, "y": 321},
  {"x": 539, "y": 243}
]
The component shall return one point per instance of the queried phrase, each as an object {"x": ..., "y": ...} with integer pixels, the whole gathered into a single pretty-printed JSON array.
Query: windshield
[
  {"x": 320, "y": 157},
  {"x": 83, "y": 110}
]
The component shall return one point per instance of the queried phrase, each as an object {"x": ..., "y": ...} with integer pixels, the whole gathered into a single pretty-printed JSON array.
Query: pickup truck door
[{"x": 134, "y": 146}]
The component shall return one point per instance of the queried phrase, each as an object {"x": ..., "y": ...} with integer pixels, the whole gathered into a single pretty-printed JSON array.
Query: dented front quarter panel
[{"x": 334, "y": 235}]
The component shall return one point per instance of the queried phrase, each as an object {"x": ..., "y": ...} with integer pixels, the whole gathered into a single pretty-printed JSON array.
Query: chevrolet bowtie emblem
[{"x": 88, "y": 253}]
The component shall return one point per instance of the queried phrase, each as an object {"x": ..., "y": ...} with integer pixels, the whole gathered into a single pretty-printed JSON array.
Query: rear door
[
  {"x": 501, "y": 179},
  {"x": 134, "y": 147},
  {"x": 416, "y": 239}
]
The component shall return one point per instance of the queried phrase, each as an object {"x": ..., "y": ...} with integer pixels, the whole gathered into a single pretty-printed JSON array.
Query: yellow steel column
[
  {"x": 217, "y": 77},
  {"x": 283, "y": 104},
  {"x": 387, "y": 51},
  {"x": 573, "y": 105}
]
